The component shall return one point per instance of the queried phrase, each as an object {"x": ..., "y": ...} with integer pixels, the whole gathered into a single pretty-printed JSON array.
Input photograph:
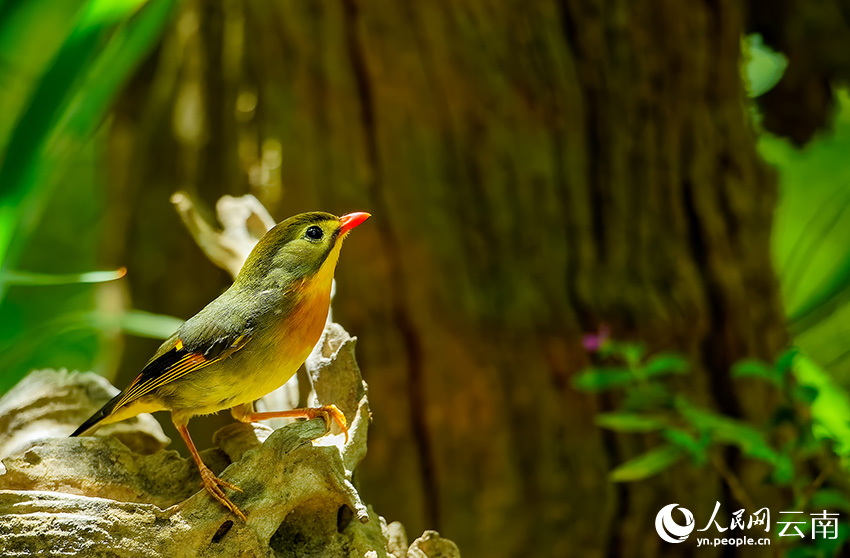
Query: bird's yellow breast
[{"x": 296, "y": 334}]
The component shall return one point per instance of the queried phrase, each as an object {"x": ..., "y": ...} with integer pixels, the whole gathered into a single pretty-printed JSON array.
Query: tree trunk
[{"x": 534, "y": 170}]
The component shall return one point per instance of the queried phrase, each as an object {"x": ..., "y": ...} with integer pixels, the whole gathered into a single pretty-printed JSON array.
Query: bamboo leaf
[
  {"x": 68, "y": 103},
  {"x": 146, "y": 324},
  {"x": 40, "y": 279}
]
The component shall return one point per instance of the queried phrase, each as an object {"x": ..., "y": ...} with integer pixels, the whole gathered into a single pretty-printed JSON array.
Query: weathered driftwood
[
  {"x": 95, "y": 496},
  {"x": 45, "y": 402},
  {"x": 244, "y": 221}
]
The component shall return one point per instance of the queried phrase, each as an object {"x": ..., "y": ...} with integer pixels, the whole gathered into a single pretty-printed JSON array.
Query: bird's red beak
[{"x": 352, "y": 220}]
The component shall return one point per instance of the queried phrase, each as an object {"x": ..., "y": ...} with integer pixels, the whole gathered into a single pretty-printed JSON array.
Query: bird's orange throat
[
  {"x": 303, "y": 327},
  {"x": 306, "y": 322}
]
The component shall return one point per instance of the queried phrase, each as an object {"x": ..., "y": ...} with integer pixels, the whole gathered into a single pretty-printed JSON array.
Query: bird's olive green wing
[
  {"x": 173, "y": 360},
  {"x": 213, "y": 334},
  {"x": 180, "y": 359}
]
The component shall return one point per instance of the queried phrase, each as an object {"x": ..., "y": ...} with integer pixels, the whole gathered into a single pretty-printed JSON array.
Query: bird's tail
[{"x": 94, "y": 421}]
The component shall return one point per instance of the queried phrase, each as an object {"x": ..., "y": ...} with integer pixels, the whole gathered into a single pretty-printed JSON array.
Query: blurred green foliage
[
  {"x": 810, "y": 246},
  {"x": 63, "y": 63},
  {"x": 762, "y": 67},
  {"x": 805, "y": 442},
  {"x": 812, "y": 222}
]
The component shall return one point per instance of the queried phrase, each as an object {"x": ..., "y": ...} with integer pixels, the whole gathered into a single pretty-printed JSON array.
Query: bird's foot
[
  {"x": 327, "y": 412},
  {"x": 330, "y": 413},
  {"x": 213, "y": 485}
]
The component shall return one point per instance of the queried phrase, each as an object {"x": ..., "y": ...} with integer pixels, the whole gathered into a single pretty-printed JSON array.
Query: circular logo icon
[{"x": 671, "y": 531}]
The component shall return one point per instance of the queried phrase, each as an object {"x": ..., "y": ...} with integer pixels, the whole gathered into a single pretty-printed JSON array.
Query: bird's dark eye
[{"x": 314, "y": 233}]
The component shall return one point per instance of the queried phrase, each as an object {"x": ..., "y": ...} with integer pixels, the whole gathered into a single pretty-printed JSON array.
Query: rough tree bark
[{"x": 534, "y": 169}]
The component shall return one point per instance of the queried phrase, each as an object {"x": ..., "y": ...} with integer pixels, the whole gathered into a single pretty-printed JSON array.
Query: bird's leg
[
  {"x": 211, "y": 482},
  {"x": 246, "y": 413}
]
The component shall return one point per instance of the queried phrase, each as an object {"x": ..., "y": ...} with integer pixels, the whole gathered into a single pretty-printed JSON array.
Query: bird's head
[{"x": 301, "y": 248}]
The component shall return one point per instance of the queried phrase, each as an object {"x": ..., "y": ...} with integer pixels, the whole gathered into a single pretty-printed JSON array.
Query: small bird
[{"x": 247, "y": 342}]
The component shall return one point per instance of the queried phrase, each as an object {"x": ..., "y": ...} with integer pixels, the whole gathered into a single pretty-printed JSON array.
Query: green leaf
[
  {"x": 751, "y": 441},
  {"x": 764, "y": 66},
  {"x": 631, "y": 353},
  {"x": 31, "y": 33},
  {"x": 145, "y": 324},
  {"x": 68, "y": 103},
  {"x": 42, "y": 279},
  {"x": 666, "y": 363},
  {"x": 830, "y": 410},
  {"x": 805, "y": 394},
  {"x": 697, "y": 449},
  {"x": 602, "y": 379},
  {"x": 109, "y": 12},
  {"x": 629, "y": 422},
  {"x": 135, "y": 322},
  {"x": 786, "y": 361},
  {"x": 809, "y": 237},
  {"x": 750, "y": 368},
  {"x": 648, "y": 464}
]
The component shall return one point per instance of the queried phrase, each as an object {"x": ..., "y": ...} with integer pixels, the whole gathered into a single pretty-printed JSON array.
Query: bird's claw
[
  {"x": 332, "y": 413},
  {"x": 213, "y": 485}
]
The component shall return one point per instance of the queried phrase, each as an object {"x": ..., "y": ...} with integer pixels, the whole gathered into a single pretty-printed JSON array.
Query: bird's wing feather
[
  {"x": 215, "y": 333},
  {"x": 198, "y": 343},
  {"x": 178, "y": 362}
]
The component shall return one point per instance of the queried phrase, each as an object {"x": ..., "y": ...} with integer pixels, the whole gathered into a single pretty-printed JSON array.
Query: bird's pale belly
[{"x": 238, "y": 385}]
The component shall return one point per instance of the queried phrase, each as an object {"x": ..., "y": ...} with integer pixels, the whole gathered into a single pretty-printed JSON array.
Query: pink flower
[{"x": 593, "y": 342}]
